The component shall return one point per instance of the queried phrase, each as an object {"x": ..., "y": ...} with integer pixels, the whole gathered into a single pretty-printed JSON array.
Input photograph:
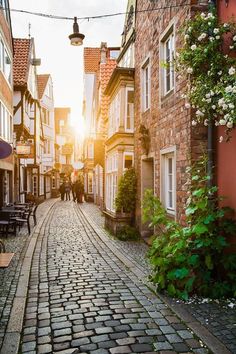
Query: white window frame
[
  {"x": 90, "y": 150},
  {"x": 90, "y": 190},
  {"x": 168, "y": 35},
  {"x": 6, "y": 123},
  {"x": 3, "y": 52},
  {"x": 146, "y": 84},
  {"x": 128, "y": 153},
  {"x": 166, "y": 154},
  {"x": 131, "y": 129},
  {"x": 111, "y": 181},
  {"x": 114, "y": 114}
]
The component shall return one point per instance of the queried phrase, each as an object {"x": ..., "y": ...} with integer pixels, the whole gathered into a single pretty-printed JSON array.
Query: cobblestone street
[{"x": 87, "y": 294}]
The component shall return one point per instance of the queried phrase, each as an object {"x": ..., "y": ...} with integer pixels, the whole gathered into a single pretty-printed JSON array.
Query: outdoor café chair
[
  {"x": 6, "y": 222},
  {"x": 20, "y": 221}
]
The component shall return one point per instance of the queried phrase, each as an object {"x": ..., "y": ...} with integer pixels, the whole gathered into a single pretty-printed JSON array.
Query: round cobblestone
[{"x": 82, "y": 296}]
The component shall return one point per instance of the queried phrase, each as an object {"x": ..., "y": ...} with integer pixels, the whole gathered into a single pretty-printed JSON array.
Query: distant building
[
  {"x": 119, "y": 145},
  {"x": 91, "y": 67},
  {"x": 65, "y": 140},
  {"x": 98, "y": 67},
  {"x": 47, "y": 172},
  {"x": 28, "y": 127},
  {"x": 6, "y": 106}
]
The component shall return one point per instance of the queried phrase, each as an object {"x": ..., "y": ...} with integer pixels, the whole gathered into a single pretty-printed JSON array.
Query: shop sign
[
  {"x": 25, "y": 150},
  {"x": 67, "y": 149}
]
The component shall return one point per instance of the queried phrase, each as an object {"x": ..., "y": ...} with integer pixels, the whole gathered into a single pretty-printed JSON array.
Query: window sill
[
  {"x": 146, "y": 111},
  {"x": 171, "y": 213},
  {"x": 167, "y": 95}
]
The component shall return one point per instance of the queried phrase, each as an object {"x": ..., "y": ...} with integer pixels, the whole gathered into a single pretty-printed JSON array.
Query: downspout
[{"x": 210, "y": 136}]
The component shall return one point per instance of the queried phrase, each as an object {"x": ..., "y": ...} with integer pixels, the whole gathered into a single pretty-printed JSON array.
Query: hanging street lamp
[{"x": 76, "y": 38}]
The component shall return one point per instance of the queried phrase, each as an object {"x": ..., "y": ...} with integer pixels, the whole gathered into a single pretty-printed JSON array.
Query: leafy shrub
[
  {"x": 128, "y": 233},
  {"x": 193, "y": 259},
  {"x": 126, "y": 196}
]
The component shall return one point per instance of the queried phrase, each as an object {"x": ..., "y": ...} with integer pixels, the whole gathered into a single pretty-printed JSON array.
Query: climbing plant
[
  {"x": 126, "y": 196},
  {"x": 206, "y": 59}
]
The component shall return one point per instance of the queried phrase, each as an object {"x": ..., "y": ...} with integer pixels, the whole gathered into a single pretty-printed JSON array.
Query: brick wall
[{"x": 168, "y": 121}]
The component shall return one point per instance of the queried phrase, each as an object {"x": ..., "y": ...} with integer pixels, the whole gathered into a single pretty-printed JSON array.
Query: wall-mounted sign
[
  {"x": 25, "y": 150},
  {"x": 67, "y": 149}
]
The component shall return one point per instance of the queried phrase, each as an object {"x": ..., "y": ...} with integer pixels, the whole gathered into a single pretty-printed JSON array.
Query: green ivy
[
  {"x": 127, "y": 188},
  {"x": 128, "y": 233},
  {"x": 193, "y": 259}
]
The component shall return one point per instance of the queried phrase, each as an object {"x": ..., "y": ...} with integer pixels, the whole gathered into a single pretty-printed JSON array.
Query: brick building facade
[
  {"x": 165, "y": 142},
  {"x": 6, "y": 105}
]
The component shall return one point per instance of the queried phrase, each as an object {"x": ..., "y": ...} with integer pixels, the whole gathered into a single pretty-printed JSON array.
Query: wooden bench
[{"x": 5, "y": 259}]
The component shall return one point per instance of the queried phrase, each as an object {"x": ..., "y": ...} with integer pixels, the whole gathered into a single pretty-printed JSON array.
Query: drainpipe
[
  {"x": 210, "y": 153},
  {"x": 210, "y": 137}
]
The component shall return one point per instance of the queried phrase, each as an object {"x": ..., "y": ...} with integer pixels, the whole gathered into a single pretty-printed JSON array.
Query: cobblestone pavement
[
  {"x": 9, "y": 276},
  {"x": 217, "y": 317},
  {"x": 83, "y": 299}
]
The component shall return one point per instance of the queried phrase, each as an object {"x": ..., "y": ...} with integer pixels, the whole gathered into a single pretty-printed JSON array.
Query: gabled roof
[
  {"x": 92, "y": 58},
  {"x": 42, "y": 81},
  {"x": 21, "y": 60}
]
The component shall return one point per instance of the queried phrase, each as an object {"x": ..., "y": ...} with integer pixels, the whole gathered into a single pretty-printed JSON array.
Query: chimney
[{"x": 103, "y": 51}]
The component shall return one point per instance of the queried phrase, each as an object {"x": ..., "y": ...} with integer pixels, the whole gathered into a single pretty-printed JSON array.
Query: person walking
[
  {"x": 73, "y": 191},
  {"x": 62, "y": 190},
  {"x": 67, "y": 189},
  {"x": 79, "y": 190}
]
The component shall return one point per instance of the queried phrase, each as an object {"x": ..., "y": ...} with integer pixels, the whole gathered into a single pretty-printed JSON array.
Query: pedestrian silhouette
[
  {"x": 62, "y": 190},
  {"x": 67, "y": 190}
]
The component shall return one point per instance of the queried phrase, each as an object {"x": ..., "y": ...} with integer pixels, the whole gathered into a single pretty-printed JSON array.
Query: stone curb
[
  {"x": 201, "y": 331},
  {"x": 12, "y": 336}
]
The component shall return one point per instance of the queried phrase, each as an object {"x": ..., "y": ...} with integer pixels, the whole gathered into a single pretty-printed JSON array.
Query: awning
[{"x": 5, "y": 149}]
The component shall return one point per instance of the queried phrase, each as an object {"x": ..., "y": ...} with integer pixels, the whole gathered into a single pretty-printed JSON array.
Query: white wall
[{"x": 89, "y": 82}]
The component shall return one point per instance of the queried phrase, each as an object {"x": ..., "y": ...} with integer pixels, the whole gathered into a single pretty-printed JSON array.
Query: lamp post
[{"x": 76, "y": 38}]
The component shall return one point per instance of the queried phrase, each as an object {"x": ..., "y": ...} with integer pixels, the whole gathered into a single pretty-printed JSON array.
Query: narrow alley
[{"x": 85, "y": 295}]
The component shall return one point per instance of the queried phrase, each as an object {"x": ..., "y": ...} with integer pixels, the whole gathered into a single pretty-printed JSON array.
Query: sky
[{"x": 58, "y": 58}]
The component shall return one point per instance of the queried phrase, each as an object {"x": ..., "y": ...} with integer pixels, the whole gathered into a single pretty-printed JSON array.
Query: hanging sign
[{"x": 25, "y": 150}]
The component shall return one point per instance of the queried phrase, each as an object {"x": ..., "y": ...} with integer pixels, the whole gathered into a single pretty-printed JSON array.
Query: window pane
[
  {"x": 7, "y": 66},
  {"x": 146, "y": 88},
  {"x": 170, "y": 199},
  {"x": 170, "y": 165},
  {"x": 128, "y": 161},
  {"x": 130, "y": 110}
]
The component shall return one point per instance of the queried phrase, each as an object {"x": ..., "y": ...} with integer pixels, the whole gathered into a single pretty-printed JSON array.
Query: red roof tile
[
  {"x": 91, "y": 60},
  {"x": 106, "y": 71},
  {"x": 42, "y": 82},
  {"x": 21, "y": 60}
]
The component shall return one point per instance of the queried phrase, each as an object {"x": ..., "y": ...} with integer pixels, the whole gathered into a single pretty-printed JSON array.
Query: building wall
[
  {"x": 47, "y": 104},
  {"x": 225, "y": 152},
  {"x": 168, "y": 122},
  {"x": 64, "y": 135},
  {"x": 6, "y": 100}
]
